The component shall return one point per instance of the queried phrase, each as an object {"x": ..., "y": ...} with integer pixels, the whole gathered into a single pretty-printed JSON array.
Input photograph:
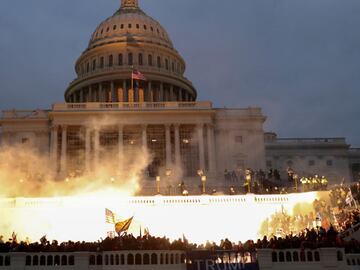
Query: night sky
[{"x": 298, "y": 60}]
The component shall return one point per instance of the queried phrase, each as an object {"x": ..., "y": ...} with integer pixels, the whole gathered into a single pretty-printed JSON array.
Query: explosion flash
[{"x": 199, "y": 218}]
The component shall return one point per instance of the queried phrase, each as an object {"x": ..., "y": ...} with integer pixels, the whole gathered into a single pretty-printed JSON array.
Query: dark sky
[{"x": 298, "y": 60}]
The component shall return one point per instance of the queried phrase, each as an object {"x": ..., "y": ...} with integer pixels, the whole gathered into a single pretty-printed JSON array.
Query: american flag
[
  {"x": 109, "y": 216},
  {"x": 137, "y": 75}
]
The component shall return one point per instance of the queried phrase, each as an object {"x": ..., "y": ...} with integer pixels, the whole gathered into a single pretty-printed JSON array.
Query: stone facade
[{"x": 331, "y": 157}]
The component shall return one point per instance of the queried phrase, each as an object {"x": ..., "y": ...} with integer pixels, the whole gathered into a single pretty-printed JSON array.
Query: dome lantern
[{"x": 129, "y": 4}]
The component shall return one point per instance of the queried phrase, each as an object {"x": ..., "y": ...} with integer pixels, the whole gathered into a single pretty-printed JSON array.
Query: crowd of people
[
  {"x": 271, "y": 182},
  {"x": 330, "y": 222},
  {"x": 125, "y": 242},
  {"x": 309, "y": 238}
]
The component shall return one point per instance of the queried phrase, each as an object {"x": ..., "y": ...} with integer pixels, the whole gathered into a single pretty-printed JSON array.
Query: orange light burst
[{"x": 199, "y": 218}]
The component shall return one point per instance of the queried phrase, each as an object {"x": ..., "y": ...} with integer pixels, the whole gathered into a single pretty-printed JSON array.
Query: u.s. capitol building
[{"x": 161, "y": 114}]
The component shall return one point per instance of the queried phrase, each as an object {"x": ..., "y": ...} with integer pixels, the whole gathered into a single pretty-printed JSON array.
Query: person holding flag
[
  {"x": 109, "y": 216},
  {"x": 350, "y": 199},
  {"x": 123, "y": 226}
]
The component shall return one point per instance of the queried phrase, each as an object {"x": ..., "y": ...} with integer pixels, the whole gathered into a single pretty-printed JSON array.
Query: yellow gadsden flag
[{"x": 123, "y": 226}]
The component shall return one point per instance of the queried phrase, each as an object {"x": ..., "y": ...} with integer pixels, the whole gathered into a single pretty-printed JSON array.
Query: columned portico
[
  {"x": 87, "y": 149},
  {"x": 144, "y": 137},
  {"x": 63, "y": 149},
  {"x": 168, "y": 146},
  {"x": 54, "y": 146},
  {"x": 211, "y": 149},
  {"x": 200, "y": 130},
  {"x": 177, "y": 145},
  {"x": 96, "y": 146}
]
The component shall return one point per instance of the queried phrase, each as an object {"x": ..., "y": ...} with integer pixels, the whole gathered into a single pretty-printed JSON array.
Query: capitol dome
[{"x": 130, "y": 40}]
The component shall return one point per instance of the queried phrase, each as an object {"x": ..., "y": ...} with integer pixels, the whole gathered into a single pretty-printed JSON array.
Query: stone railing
[
  {"x": 174, "y": 260},
  {"x": 91, "y": 106},
  {"x": 307, "y": 259}
]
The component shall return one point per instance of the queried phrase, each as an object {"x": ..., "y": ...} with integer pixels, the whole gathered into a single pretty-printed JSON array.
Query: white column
[
  {"x": 177, "y": 145},
  {"x": 96, "y": 147},
  {"x": 121, "y": 145},
  {"x": 144, "y": 137},
  {"x": 149, "y": 92},
  {"x": 82, "y": 95},
  {"x": 168, "y": 146},
  {"x": 101, "y": 94},
  {"x": 200, "y": 129},
  {"x": 112, "y": 92},
  {"x": 161, "y": 94},
  {"x": 54, "y": 146},
  {"x": 87, "y": 149},
  {"x": 90, "y": 96},
  {"x": 171, "y": 97},
  {"x": 211, "y": 148},
  {"x": 63, "y": 149},
  {"x": 125, "y": 91},
  {"x": 180, "y": 94}
]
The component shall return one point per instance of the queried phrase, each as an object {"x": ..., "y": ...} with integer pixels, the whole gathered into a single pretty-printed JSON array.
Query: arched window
[
  {"x": 117, "y": 259},
  {"x": 146, "y": 259},
  {"x": 274, "y": 256},
  {"x": 154, "y": 259},
  {"x": 166, "y": 258},
  {"x": 295, "y": 256},
  {"x": 99, "y": 260},
  {"x": 106, "y": 259},
  {"x": 130, "y": 59},
  {"x": 288, "y": 256},
  {"x": 281, "y": 256},
  {"x": 111, "y": 259},
  {"x": 140, "y": 59},
  {"x": 130, "y": 259},
  {"x": 94, "y": 64},
  {"x": 42, "y": 260},
  {"x": 63, "y": 260},
  {"x": 150, "y": 60},
  {"x": 7, "y": 261},
  {"x": 137, "y": 259},
  {"x": 122, "y": 259},
  {"x": 171, "y": 258},
  {"x": 167, "y": 64},
  {"x": 111, "y": 60},
  {"x": 92, "y": 260},
  {"x": 182, "y": 258},
  {"x": 302, "y": 256},
  {"x": 71, "y": 260},
  {"x": 27, "y": 260},
  {"x": 161, "y": 258},
  {"x": 101, "y": 62},
  {"x": 173, "y": 67},
  {"x": 309, "y": 256},
  {"x": 87, "y": 67},
  {"x": 317, "y": 256},
  {"x": 158, "y": 62},
  {"x": 35, "y": 260},
  {"x": 120, "y": 59},
  {"x": 177, "y": 258}
]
